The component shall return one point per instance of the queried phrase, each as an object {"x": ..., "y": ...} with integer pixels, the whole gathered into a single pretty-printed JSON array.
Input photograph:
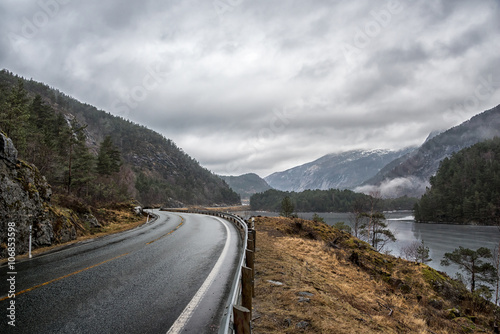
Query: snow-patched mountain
[
  {"x": 410, "y": 174},
  {"x": 338, "y": 170}
]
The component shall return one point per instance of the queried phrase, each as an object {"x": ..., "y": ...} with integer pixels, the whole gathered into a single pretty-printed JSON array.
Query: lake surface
[{"x": 440, "y": 238}]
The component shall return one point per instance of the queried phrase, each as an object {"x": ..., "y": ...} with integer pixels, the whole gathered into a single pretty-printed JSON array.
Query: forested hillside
[
  {"x": 247, "y": 184},
  {"x": 466, "y": 188},
  {"x": 99, "y": 157},
  {"x": 332, "y": 200}
]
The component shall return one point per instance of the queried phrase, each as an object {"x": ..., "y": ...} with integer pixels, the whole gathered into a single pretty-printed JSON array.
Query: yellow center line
[
  {"x": 62, "y": 277},
  {"x": 175, "y": 229}
]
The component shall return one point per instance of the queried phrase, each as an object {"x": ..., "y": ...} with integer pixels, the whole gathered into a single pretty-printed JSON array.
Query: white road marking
[{"x": 188, "y": 311}]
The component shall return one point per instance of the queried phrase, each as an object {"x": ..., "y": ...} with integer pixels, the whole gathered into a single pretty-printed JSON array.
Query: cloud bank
[{"x": 259, "y": 86}]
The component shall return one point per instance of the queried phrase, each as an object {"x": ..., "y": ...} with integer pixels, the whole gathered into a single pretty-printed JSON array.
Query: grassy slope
[
  {"x": 113, "y": 219},
  {"x": 376, "y": 294}
]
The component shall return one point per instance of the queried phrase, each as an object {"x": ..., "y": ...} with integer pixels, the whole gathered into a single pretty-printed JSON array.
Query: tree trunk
[{"x": 69, "y": 169}]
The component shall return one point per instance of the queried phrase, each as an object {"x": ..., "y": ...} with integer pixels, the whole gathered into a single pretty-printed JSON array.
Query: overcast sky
[{"x": 262, "y": 86}]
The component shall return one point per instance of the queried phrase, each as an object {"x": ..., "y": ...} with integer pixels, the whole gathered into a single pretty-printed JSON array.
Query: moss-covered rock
[
  {"x": 453, "y": 313},
  {"x": 25, "y": 201}
]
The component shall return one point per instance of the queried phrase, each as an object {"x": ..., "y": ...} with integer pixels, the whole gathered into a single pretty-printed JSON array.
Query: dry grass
[
  {"x": 118, "y": 220},
  {"x": 378, "y": 294}
]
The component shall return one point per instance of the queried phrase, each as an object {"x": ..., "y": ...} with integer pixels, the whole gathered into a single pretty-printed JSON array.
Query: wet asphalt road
[{"x": 138, "y": 281}]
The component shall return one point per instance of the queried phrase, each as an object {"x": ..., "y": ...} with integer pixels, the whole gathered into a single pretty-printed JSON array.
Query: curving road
[{"x": 171, "y": 275}]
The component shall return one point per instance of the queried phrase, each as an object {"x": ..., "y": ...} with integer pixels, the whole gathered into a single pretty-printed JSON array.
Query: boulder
[
  {"x": 7, "y": 150},
  {"x": 91, "y": 219},
  {"x": 302, "y": 325},
  {"x": 138, "y": 210}
]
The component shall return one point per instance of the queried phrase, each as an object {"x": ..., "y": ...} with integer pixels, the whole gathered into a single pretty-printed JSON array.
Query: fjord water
[{"x": 440, "y": 238}]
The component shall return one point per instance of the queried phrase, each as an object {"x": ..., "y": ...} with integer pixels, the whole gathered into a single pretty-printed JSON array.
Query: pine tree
[
  {"x": 41, "y": 140},
  {"x": 287, "y": 207},
  {"x": 471, "y": 262},
  {"x": 423, "y": 253},
  {"x": 76, "y": 147},
  {"x": 14, "y": 116},
  {"x": 41, "y": 114},
  {"x": 108, "y": 158},
  {"x": 376, "y": 230},
  {"x": 83, "y": 164},
  {"x": 374, "y": 227}
]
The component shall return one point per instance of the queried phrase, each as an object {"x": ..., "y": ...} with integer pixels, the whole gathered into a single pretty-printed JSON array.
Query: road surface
[{"x": 138, "y": 281}]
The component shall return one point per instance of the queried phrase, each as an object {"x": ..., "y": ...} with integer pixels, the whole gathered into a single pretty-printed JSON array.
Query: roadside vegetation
[
  {"x": 111, "y": 219},
  {"x": 314, "y": 278}
]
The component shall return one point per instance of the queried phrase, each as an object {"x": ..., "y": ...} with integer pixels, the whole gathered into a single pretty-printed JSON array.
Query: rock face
[
  {"x": 7, "y": 150},
  {"x": 24, "y": 201}
]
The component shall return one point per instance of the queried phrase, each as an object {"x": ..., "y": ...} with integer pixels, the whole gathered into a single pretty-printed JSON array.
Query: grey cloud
[
  {"x": 317, "y": 70},
  {"x": 225, "y": 75},
  {"x": 400, "y": 56}
]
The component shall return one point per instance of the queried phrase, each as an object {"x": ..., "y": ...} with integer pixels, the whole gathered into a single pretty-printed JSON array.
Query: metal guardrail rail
[{"x": 227, "y": 325}]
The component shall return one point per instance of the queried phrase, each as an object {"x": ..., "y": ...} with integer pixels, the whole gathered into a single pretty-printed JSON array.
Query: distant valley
[
  {"x": 246, "y": 185},
  {"x": 345, "y": 170}
]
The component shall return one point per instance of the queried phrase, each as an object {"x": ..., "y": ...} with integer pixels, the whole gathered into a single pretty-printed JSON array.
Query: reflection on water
[{"x": 440, "y": 238}]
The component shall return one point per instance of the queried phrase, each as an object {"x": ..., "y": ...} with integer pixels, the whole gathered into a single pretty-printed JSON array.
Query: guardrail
[{"x": 238, "y": 310}]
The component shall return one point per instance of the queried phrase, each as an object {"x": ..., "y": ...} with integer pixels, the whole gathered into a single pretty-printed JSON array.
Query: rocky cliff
[{"x": 25, "y": 200}]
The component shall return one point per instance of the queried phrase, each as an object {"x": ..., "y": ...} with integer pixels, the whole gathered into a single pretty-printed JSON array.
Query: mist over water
[{"x": 440, "y": 238}]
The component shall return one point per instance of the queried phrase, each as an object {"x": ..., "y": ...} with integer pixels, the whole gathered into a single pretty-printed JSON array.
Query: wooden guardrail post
[
  {"x": 246, "y": 288},
  {"x": 254, "y": 237},
  {"x": 250, "y": 244},
  {"x": 242, "y": 318},
  {"x": 251, "y": 237},
  {"x": 250, "y": 259}
]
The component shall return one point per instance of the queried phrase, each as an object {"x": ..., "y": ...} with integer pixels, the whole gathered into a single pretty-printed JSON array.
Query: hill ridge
[{"x": 160, "y": 172}]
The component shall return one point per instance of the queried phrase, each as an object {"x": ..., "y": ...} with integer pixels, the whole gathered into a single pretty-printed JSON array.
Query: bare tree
[
  {"x": 356, "y": 218},
  {"x": 496, "y": 264},
  {"x": 416, "y": 252},
  {"x": 374, "y": 228},
  {"x": 409, "y": 251}
]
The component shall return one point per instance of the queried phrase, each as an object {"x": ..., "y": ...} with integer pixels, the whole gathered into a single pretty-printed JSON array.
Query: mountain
[
  {"x": 247, "y": 184},
  {"x": 410, "y": 174},
  {"x": 339, "y": 170},
  {"x": 154, "y": 170}
]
